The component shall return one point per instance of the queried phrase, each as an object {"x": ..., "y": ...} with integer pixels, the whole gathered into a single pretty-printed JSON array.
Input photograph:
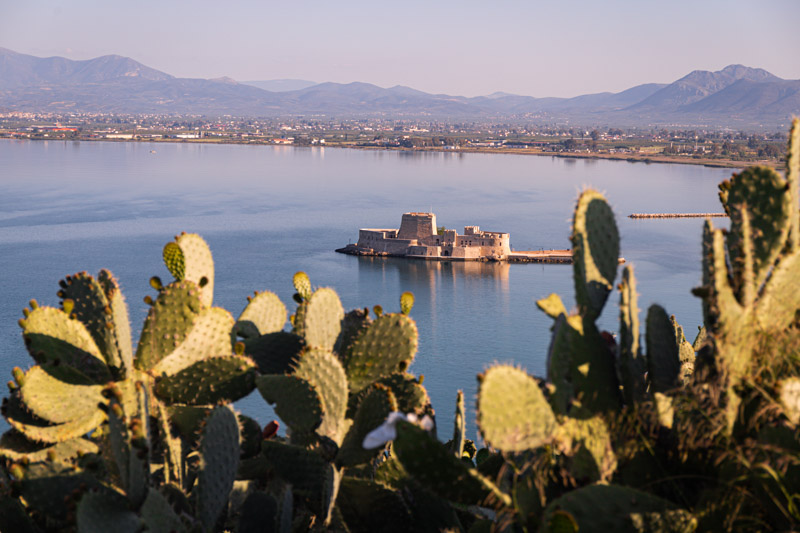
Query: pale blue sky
[{"x": 554, "y": 48}]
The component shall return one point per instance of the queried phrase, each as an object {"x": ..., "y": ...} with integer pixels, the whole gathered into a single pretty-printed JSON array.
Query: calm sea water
[{"x": 268, "y": 212}]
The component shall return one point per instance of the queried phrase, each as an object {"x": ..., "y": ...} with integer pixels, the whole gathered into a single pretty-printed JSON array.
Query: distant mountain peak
[
  {"x": 225, "y": 79},
  {"x": 499, "y": 94}
]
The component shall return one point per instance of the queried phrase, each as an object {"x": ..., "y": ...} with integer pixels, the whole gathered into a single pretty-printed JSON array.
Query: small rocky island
[{"x": 420, "y": 238}]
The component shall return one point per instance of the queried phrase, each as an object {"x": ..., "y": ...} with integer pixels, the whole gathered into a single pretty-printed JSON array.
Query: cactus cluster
[
  {"x": 149, "y": 439},
  {"x": 612, "y": 437}
]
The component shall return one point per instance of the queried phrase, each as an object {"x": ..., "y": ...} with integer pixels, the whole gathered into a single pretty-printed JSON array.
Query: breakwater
[{"x": 676, "y": 215}]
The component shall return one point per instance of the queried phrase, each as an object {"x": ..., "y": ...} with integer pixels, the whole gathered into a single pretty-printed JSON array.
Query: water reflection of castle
[{"x": 424, "y": 270}]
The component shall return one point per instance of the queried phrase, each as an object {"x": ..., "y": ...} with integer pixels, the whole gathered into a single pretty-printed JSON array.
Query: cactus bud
[
  {"x": 378, "y": 310},
  {"x": 238, "y": 348},
  {"x": 12, "y": 387},
  {"x": 148, "y": 300},
  {"x": 203, "y": 282},
  {"x": 16, "y": 471},
  {"x": 62, "y": 284},
  {"x": 68, "y": 305},
  {"x": 21, "y": 323},
  {"x": 51, "y": 455},
  {"x": 406, "y": 302},
  {"x": 19, "y": 375},
  {"x": 34, "y": 304},
  {"x": 155, "y": 282},
  {"x": 421, "y": 379}
]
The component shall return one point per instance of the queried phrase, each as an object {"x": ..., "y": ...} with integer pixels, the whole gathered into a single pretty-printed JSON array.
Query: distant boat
[{"x": 152, "y": 151}]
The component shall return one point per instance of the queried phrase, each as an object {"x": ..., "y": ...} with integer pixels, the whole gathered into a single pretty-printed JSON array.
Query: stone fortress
[{"x": 418, "y": 238}]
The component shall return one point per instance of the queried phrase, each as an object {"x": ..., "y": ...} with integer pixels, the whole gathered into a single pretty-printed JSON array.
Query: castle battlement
[{"x": 418, "y": 237}]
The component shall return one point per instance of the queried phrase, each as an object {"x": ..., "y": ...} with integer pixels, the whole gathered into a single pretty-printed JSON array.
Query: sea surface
[{"x": 268, "y": 212}]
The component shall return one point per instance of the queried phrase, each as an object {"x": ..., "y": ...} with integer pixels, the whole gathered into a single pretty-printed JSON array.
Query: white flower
[{"x": 387, "y": 431}]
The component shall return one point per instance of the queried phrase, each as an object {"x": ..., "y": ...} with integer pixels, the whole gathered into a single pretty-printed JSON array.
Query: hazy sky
[{"x": 537, "y": 48}]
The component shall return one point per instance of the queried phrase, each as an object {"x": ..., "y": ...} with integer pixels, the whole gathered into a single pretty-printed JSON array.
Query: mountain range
[{"x": 736, "y": 96}]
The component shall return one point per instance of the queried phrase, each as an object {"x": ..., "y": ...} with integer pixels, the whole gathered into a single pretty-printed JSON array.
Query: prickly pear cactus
[
  {"x": 581, "y": 365},
  {"x": 750, "y": 272}
]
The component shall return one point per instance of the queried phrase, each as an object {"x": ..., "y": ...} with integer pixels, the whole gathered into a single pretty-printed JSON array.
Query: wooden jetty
[
  {"x": 676, "y": 215},
  {"x": 544, "y": 256}
]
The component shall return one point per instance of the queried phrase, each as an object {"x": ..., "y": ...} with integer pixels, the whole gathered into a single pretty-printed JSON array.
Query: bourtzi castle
[{"x": 418, "y": 238}]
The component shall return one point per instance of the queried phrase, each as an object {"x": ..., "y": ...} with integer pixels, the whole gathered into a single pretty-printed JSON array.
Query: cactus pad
[
  {"x": 219, "y": 452},
  {"x": 209, "y": 336},
  {"x": 513, "y": 414},
  {"x": 586, "y": 443},
  {"x": 595, "y": 252},
  {"x": 119, "y": 316},
  {"x": 354, "y": 321},
  {"x": 99, "y": 305},
  {"x": 459, "y": 426},
  {"x": 15, "y": 447},
  {"x": 265, "y": 313},
  {"x": 632, "y": 364},
  {"x": 106, "y": 511},
  {"x": 387, "y": 346},
  {"x": 209, "y": 381},
  {"x": 552, "y": 306},
  {"x": 321, "y": 320},
  {"x": 168, "y": 323},
  {"x": 597, "y": 508},
  {"x": 275, "y": 353},
  {"x": 663, "y": 362},
  {"x": 296, "y": 401},
  {"x": 52, "y": 336},
  {"x": 324, "y": 372},
  {"x": 158, "y": 514},
  {"x": 410, "y": 395},
  {"x": 48, "y": 390},
  {"x": 303, "y": 468}
]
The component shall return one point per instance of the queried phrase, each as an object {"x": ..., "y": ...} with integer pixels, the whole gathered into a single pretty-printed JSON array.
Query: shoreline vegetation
[{"x": 646, "y": 158}]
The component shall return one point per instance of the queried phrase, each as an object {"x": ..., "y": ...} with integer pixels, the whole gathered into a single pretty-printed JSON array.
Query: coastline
[{"x": 629, "y": 157}]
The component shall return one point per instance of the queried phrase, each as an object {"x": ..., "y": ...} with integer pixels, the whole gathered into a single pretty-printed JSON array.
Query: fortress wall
[
  {"x": 393, "y": 246},
  {"x": 461, "y": 252},
  {"x": 425, "y": 251},
  {"x": 417, "y": 225},
  {"x": 377, "y": 234}
]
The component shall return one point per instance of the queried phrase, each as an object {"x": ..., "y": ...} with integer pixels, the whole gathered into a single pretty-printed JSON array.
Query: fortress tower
[{"x": 417, "y": 226}]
